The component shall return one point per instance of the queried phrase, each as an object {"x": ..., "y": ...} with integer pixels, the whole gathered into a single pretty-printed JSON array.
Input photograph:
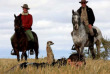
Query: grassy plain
[{"x": 92, "y": 67}]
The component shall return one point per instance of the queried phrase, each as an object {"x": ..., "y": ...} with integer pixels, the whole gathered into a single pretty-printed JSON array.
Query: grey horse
[{"x": 80, "y": 37}]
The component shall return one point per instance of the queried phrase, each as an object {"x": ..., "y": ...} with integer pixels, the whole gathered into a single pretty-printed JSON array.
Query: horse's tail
[
  {"x": 36, "y": 42},
  {"x": 106, "y": 44}
]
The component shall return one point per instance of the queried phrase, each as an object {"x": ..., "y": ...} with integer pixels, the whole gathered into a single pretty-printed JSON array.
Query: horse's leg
[
  {"x": 17, "y": 53},
  {"x": 23, "y": 52},
  {"x": 92, "y": 52},
  {"x": 88, "y": 50},
  {"x": 36, "y": 45},
  {"x": 82, "y": 48},
  {"x": 36, "y": 49},
  {"x": 78, "y": 51},
  {"x": 25, "y": 56},
  {"x": 22, "y": 57},
  {"x": 36, "y": 52},
  {"x": 98, "y": 48}
]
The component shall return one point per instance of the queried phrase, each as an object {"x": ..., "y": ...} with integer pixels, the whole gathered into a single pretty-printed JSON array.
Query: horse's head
[
  {"x": 75, "y": 20},
  {"x": 18, "y": 23}
]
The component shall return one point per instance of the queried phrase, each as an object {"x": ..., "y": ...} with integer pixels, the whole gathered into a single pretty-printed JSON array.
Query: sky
[{"x": 51, "y": 22}]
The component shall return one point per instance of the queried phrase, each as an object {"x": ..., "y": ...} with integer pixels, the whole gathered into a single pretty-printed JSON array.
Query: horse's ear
[
  {"x": 14, "y": 15},
  {"x": 72, "y": 11},
  {"x": 20, "y": 15}
]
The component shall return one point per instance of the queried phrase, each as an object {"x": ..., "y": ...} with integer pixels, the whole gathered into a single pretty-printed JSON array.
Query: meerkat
[{"x": 50, "y": 55}]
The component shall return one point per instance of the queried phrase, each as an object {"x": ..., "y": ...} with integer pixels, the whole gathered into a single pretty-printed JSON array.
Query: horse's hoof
[
  {"x": 19, "y": 60},
  {"x": 36, "y": 57},
  {"x": 94, "y": 57},
  {"x": 25, "y": 59}
]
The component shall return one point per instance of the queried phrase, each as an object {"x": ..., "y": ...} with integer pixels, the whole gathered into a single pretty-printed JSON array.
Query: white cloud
[
  {"x": 43, "y": 24},
  {"x": 52, "y": 20}
]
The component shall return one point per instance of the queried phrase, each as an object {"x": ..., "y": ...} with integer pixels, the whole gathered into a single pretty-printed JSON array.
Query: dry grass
[{"x": 92, "y": 67}]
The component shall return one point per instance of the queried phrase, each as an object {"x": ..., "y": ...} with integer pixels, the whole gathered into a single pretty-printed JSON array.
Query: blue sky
[{"x": 51, "y": 21}]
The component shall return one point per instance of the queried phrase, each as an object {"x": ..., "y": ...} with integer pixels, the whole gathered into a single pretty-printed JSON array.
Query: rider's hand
[
  {"x": 22, "y": 26},
  {"x": 90, "y": 26}
]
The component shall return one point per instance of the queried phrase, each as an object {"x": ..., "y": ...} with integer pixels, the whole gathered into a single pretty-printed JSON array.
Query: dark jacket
[{"x": 91, "y": 17}]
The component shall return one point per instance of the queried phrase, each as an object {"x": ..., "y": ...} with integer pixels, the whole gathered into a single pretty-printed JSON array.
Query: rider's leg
[
  {"x": 12, "y": 51},
  {"x": 91, "y": 47},
  {"x": 91, "y": 38},
  {"x": 30, "y": 39},
  {"x": 29, "y": 35},
  {"x": 91, "y": 30}
]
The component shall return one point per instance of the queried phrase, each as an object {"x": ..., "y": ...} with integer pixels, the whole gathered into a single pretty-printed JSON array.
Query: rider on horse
[
  {"x": 88, "y": 18},
  {"x": 27, "y": 21}
]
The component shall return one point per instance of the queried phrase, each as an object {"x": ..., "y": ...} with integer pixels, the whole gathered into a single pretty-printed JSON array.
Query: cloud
[
  {"x": 100, "y": 9},
  {"x": 51, "y": 20}
]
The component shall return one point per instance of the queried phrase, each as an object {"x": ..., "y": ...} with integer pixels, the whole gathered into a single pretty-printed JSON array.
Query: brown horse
[{"x": 20, "y": 42}]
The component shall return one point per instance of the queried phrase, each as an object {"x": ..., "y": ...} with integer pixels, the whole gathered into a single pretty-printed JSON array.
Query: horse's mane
[
  {"x": 79, "y": 19},
  {"x": 76, "y": 13},
  {"x": 18, "y": 23}
]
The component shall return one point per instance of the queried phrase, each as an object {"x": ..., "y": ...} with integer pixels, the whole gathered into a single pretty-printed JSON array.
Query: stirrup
[
  {"x": 73, "y": 48},
  {"x": 95, "y": 32},
  {"x": 12, "y": 52}
]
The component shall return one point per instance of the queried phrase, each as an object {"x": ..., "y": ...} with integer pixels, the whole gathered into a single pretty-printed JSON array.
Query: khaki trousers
[{"x": 29, "y": 36}]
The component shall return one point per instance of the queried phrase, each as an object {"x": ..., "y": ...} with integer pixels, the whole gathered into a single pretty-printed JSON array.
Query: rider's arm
[
  {"x": 29, "y": 24},
  {"x": 91, "y": 17}
]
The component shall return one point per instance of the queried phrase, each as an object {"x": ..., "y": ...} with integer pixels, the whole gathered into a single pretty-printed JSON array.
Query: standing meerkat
[{"x": 50, "y": 55}]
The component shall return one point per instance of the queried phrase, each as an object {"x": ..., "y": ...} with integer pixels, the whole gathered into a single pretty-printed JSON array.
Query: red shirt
[{"x": 27, "y": 21}]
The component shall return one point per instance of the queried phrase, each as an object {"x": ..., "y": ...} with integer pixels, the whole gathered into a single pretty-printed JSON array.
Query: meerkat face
[{"x": 50, "y": 43}]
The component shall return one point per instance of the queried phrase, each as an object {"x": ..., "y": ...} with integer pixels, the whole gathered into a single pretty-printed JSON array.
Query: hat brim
[
  {"x": 25, "y": 7},
  {"x": 85, "y": 1}
]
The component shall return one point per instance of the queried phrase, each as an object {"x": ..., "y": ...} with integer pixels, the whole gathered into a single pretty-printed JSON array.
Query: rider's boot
[
  {"x": 92, "y": 46},
  {"x": 13, "y": 52},
  {"x": 91, "y": 32},
  {"x": 91, "y": 36}
]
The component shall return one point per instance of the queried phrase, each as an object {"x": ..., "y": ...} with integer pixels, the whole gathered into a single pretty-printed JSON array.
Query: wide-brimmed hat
[
  {"x": 25, "y": 6},
  {"x": 83, "y": 1}
]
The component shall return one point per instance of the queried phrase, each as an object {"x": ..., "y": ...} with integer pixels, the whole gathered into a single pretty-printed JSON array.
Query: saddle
[{"x": 95, "y": 32}]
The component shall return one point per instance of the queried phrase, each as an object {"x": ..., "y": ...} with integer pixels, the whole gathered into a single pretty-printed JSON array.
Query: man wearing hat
[
  {"x": 27, "y": 21},
  {"x": 87, "y": 16}
]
